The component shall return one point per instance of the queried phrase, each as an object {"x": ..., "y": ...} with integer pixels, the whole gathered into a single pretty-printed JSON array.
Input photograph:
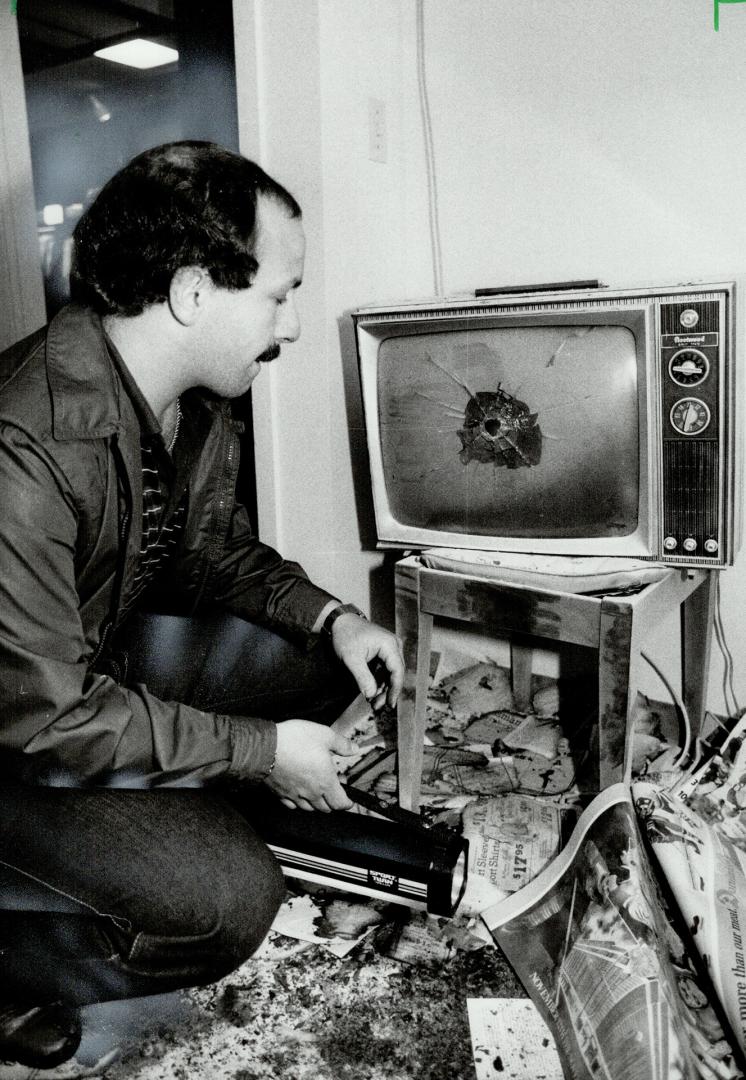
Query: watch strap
[{"x": 342, "y": 609}]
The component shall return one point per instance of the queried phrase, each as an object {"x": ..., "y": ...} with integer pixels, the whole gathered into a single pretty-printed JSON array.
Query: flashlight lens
[{"x": 458, "y": 881}]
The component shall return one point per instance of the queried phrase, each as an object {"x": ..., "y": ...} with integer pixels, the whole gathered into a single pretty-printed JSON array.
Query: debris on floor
[
  {"x": 394, "y": 1008},
  {"x": 351, "y": 987},
  {"x": 339, "y": 927}
]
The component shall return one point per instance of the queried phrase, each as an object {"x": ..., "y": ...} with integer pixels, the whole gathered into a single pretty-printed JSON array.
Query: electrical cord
[
  {"x": 427, "y": 130},
  {"x": 730, "y": 698},
  {"x": 732, "y": 706},
  {"x": 686, "y": 724}
]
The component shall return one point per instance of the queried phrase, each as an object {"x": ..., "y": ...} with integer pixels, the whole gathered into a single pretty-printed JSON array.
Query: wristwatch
[{"x": 343, "y": 609}]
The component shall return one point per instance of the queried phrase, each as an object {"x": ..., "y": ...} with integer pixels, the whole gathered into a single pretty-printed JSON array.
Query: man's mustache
[{"x": 269, "y": 354}]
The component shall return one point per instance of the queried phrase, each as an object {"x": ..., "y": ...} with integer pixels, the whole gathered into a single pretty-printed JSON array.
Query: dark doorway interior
[{"x": 88, "y": 116}]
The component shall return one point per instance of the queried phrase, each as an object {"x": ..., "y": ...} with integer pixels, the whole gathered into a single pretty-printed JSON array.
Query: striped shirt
[
  {"x": 165, "y": 479},
  {"x": 161, "y": 532}
]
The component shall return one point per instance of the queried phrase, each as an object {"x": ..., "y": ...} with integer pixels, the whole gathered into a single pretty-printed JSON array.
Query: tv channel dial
[
  {"x": 688, "y": 367},
  {"x": 690, "y": 416}
]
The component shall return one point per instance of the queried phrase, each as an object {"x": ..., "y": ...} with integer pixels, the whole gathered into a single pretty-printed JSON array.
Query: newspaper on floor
[
  {"x": 336, "y": 924},
  {"x": 590, "y": 942},
  {"x": 587, "y": 929},
  {"x": 509, "y": 1041},
  {"x": 511, "y": 838},
  {"x": 706, "y": 873}
]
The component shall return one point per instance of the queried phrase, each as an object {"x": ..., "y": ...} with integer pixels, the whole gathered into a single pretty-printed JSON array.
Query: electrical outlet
[{"x": 377, "y": 142}]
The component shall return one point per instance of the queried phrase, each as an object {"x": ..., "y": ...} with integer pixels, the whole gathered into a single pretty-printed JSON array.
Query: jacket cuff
[
  {"x": 254, "y": 745},
  {"x": 300, "y": 612}
]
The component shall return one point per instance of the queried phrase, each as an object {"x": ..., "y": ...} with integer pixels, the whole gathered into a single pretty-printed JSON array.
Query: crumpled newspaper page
[
  {"x": 511, "y": 839},
  {"x": 339, "y": 924}
]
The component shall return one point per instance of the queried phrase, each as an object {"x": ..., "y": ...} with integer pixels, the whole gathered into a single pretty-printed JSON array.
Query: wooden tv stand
[{"x": 613, "y": 627}]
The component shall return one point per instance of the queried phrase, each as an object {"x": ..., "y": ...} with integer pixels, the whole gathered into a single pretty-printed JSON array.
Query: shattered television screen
[{"x": 512, "y": 431}]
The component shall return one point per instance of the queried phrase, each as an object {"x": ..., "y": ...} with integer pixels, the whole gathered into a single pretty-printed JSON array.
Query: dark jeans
[{"x": 112, "y": 893}]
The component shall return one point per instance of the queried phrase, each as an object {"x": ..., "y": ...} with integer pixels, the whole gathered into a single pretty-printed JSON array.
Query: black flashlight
[{"x": 399, "y": 860}]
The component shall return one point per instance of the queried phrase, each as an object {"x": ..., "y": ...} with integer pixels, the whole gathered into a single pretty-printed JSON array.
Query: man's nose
[{"x": 288, "y": 322}]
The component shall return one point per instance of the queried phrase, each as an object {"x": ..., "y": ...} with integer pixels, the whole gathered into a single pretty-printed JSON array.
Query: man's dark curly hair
[{"x": 180, "y": 204}]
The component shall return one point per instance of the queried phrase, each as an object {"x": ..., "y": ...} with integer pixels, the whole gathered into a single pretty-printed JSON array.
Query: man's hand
[
  {"x": 304, "y": 774},
  {"x": 357, "y": 642}
]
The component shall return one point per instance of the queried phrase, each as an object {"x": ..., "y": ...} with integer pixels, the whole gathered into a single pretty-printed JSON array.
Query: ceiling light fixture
[
  {"x": 53, "y": 214},
  {"x": 102, "y": 113},
  {"x": 138, "y": 53}
]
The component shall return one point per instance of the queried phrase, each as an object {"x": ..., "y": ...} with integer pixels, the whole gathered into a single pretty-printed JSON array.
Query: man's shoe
[{"x": 40, "y": 1036}]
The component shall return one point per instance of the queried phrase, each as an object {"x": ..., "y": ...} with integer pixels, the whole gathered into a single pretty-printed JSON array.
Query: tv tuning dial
[
  {"x": 690, "y": 544},
  {"x": 711, "y": 546},
  {"x": 688, "y": 367},
  {"x": 670, "y": 543},
  {"x": 689, "y": 416}
]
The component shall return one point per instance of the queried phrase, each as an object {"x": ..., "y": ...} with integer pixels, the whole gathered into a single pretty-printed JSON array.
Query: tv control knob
[
  {"x": 711, "y": 546},
  {"x": 690, "y": 544},
  {"x": 669, "y": 543}
]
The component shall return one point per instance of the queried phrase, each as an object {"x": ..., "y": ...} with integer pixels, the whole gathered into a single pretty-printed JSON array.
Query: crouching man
[{"x": 154, "y": 655}]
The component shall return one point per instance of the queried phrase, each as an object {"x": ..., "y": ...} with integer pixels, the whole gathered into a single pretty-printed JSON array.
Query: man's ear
[{"x": 187, "y": 293}]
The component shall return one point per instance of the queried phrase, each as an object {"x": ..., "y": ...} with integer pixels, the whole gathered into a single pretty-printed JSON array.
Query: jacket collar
[
  {"x": 86, "y": 391},
  {"x": 88, "y": 398}
]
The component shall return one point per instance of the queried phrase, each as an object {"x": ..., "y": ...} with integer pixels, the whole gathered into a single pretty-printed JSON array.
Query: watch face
[{"x": 690, "y": 416}]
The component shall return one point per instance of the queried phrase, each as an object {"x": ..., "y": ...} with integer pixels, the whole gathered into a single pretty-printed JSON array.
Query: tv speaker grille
[{"x": 690, "y": 490}]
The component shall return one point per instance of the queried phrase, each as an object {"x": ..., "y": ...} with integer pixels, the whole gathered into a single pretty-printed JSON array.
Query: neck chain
[{"x": 177, "y": 424}]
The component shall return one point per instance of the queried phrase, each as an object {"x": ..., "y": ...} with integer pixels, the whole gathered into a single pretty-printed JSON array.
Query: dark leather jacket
[{"x": 70, "y": 525}]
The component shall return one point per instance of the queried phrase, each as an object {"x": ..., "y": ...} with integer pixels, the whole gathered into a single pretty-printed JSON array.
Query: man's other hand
[
  {"x": 304, "y": 774},
  {"x": 357, "y": 643}
]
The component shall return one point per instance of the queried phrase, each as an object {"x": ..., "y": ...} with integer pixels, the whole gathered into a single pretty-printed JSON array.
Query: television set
[{"x": 581, "y": 421}]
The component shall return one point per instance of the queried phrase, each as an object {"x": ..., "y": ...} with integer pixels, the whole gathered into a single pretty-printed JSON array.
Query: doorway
[{"x": 105, "y": 80}]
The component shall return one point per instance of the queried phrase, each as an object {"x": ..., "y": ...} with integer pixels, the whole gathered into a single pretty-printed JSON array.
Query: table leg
[
  {"x": 414, "y": 629},
  {"x": 618, "y": 678},
  {"x": 697, "y": 619},
  {"x": 521, "y": 657}
]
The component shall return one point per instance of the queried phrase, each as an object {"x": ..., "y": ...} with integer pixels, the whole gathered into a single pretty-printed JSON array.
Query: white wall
[
  {"x": 588, "y": 139},
  {"x": 306, "y": 70},
  {"x": 581, "y": 139}
]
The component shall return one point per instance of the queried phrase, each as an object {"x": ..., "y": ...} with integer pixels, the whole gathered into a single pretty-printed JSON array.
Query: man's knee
[
  {"x": 219, "y": 928},
  {"x": 254, "y": 905},
  {"x": 185, "y": 892},
  {"x": 246, "y": 887}
]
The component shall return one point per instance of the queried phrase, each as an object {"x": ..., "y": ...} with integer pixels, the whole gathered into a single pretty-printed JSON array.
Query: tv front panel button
[
  {"x": 711, "y": 546},
  {"x": 670, "y": 543},
  {"x": 690, "y": 545},
  {"x": 688, "y": 367}
]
